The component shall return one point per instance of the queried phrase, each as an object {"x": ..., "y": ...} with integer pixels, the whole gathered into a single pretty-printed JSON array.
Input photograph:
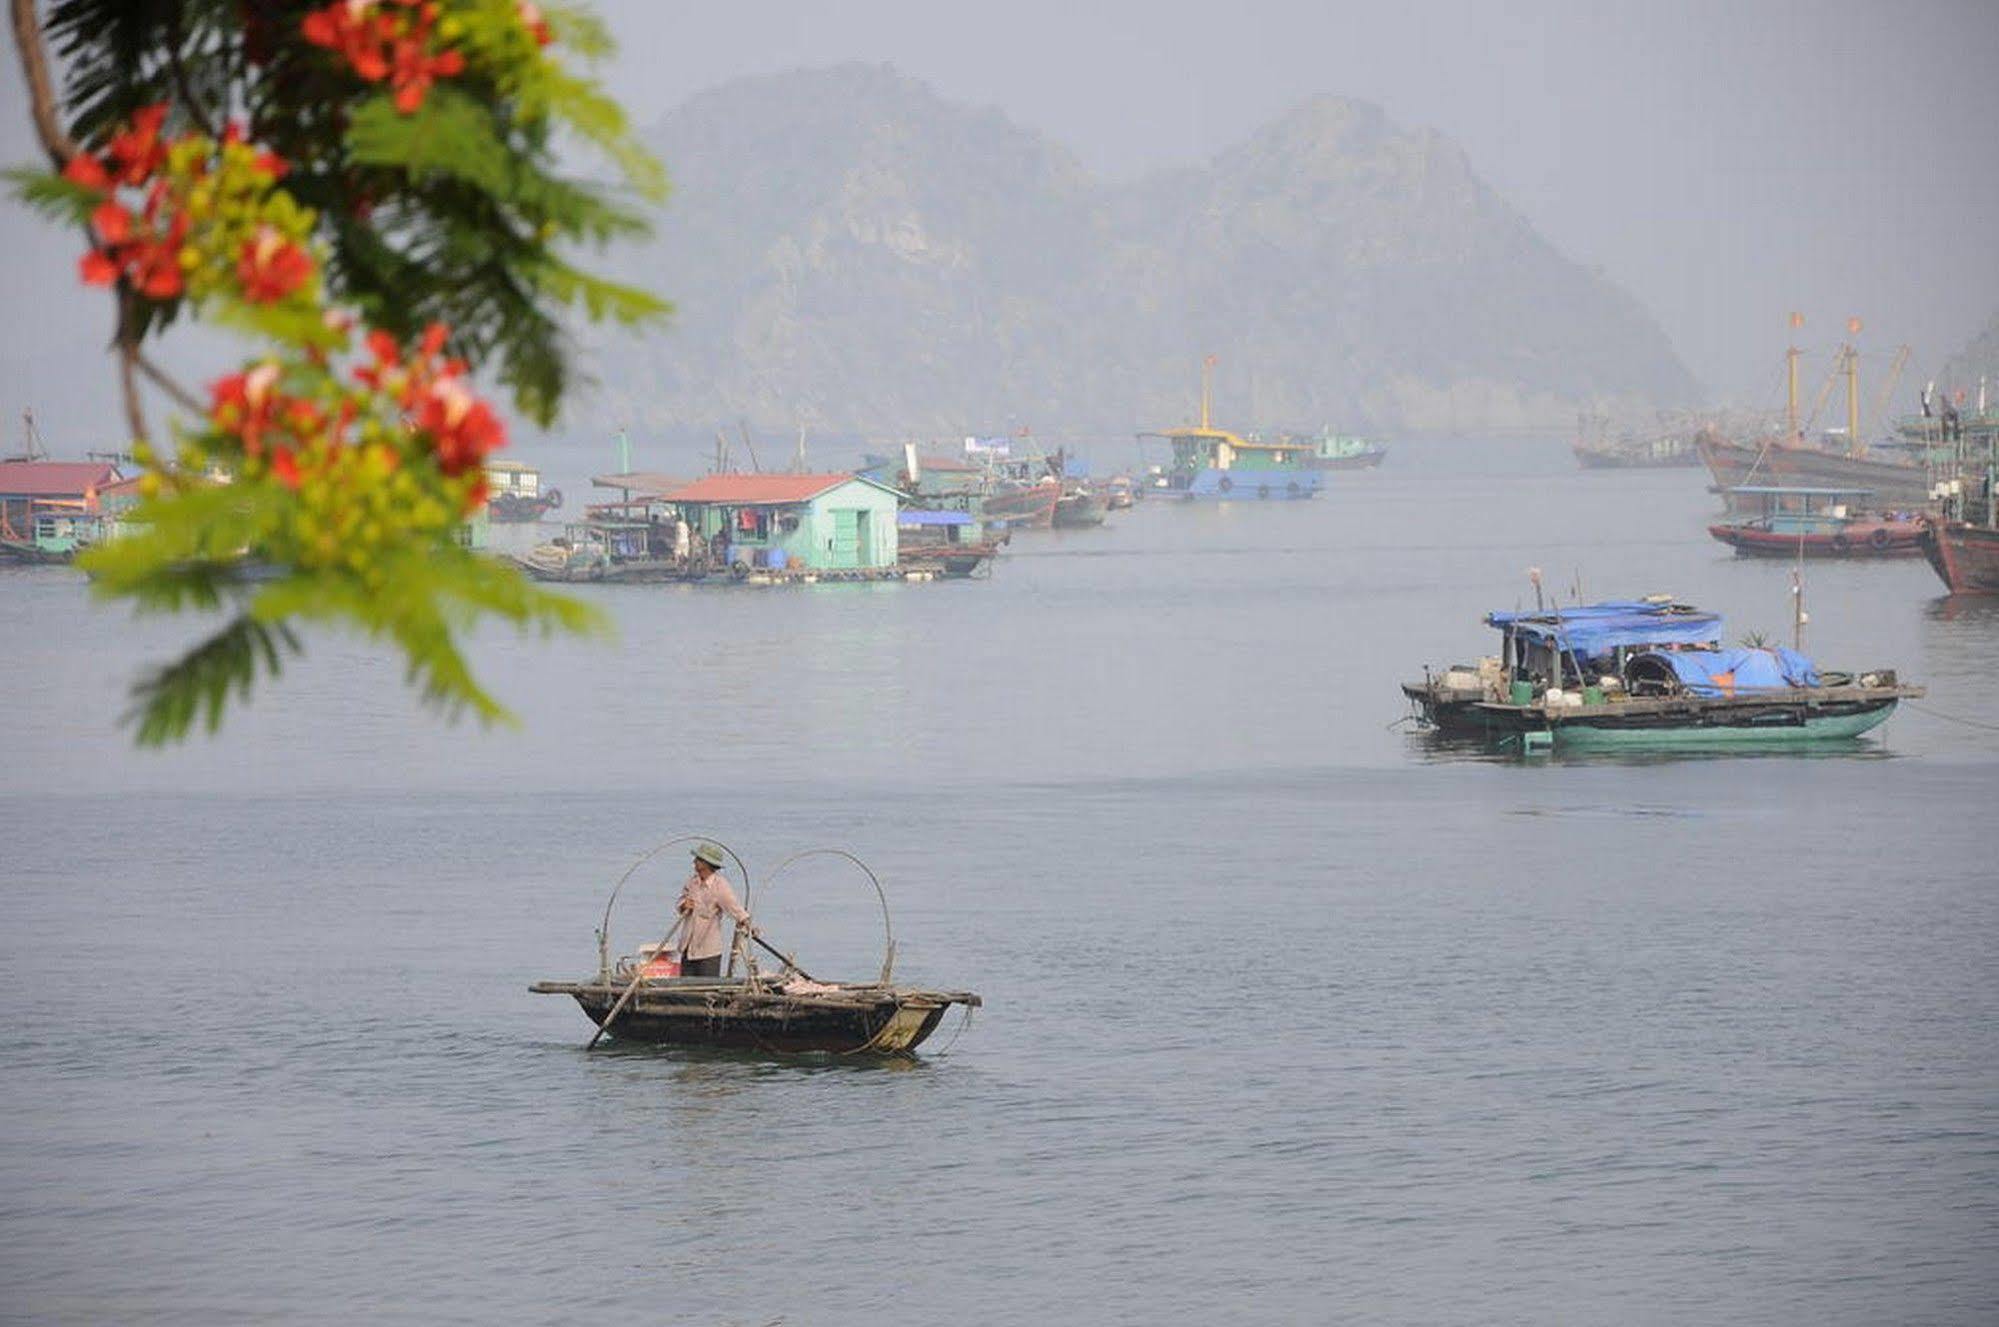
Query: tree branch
[
  {"x": 185, "y": 399},
  {"x": 41, "y": 89},
  {"x": 127, "y": 342}
]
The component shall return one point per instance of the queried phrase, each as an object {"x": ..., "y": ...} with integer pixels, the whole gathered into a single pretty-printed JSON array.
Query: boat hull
[
  {"x": 1029, "y": 507},
  {"x": 1823, "y": 714},
  {"x": 1248, "y": 486},
  {"x": 1080, "y": 510},
  {"x": 729, "y": 1014},
  {"x": 1891, "y": 485},
  {"x": 1964, "y": 556},
  {"x": 1880, "y": 539}
]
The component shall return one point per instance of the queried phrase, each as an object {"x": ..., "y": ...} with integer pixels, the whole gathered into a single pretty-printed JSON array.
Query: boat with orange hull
[
  {"x": 1022, "y": 506},
  {"x": 1863, "y": 537},
  {"x": 1815, "y": 523}
]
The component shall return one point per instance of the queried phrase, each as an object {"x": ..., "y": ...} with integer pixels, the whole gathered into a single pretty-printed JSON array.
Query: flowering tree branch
[{"x": 340, "y": 473}]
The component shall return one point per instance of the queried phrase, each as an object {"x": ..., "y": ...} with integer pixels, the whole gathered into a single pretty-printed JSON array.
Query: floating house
[
  {"x": 48, "y": 509},
  {"x": 827, "y": 523}
]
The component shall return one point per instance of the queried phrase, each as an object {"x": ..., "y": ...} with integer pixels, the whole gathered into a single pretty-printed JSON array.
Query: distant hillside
[{"x": 851, "y": 253}]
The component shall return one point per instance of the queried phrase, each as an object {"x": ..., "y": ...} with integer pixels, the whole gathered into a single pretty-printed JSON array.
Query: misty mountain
[{"x": 851, "y": 253}]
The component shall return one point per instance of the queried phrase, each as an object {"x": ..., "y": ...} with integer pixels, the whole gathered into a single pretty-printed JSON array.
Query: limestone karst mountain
[{"x": 850, "y": 253}]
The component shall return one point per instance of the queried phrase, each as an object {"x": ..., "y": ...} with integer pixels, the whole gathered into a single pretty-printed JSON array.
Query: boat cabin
[
  {"x": 1560, "y": 647},
  {"x": 1793, "y": 509}
]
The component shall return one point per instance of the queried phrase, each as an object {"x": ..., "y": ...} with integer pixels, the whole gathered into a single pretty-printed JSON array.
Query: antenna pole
[
  {"x": 1798, "y": 618},
  {"x": 1207, "y": 378}
]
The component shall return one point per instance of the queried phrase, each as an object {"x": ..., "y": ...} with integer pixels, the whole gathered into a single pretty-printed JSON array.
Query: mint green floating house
[{"x": 839, "y": 525}]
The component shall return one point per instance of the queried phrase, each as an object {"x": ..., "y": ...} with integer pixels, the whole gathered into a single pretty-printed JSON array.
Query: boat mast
[
  {"x": 1791, "y": 363},
  {"x": 1207, "y": 378},
  {"x": 1853, "y": 390}
]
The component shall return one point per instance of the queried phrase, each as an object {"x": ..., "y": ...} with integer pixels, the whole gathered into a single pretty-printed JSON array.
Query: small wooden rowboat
[
  {"x": 748, "y": 1014},
  {"x": 642, "y": 999}
]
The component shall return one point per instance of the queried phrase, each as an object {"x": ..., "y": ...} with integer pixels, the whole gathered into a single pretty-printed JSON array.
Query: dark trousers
[{"x": 701, "y": 967}]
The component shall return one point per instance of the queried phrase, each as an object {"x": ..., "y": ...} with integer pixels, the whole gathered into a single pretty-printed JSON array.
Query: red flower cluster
[
  {"x": 535, "y": 22},
  {"x": 380, "y": 43},
  {"x": 145, "y": 247},
  {"x": 435, "y": 397},
  {"x": 271, "y": 266},
  {"x": 252, "y": 407}
]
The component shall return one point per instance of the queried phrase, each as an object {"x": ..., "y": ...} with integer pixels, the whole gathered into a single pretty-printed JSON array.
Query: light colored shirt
[{"x": 706, "y": 901}]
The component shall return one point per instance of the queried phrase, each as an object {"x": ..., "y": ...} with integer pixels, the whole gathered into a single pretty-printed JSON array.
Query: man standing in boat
[{"x": 703, "y": 900}]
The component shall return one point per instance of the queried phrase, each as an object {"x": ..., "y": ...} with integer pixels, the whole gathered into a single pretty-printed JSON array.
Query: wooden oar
[
  {"x": 786, "y": 957},
  {"x": 637, "y": 978}
]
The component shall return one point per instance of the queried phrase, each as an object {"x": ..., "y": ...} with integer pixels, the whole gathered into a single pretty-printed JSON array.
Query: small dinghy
[{"x": 640, "y": 998}]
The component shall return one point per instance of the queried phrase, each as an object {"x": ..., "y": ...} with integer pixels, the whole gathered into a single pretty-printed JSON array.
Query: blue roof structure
[
  {"x": 1592, "y": 629},
  {"x": 933, "y": 518}
]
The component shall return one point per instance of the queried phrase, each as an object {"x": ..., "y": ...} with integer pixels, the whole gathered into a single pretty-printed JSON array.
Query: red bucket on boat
[{"x": 661, "y": 965}]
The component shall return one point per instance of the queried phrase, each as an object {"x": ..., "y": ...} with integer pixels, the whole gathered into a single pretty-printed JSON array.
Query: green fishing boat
[{"x": 1646, "y": 674}]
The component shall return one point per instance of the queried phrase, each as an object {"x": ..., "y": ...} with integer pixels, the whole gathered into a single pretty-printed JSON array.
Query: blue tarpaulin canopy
[
  {"x": 933, "y": 518},
  {"x": 1730, "y": 672},
  {"x": 1591, "y": 629}
]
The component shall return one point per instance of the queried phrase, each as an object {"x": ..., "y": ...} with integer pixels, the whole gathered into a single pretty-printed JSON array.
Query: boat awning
[
  {"x": 1590, "y": 629},
  {"x": 933, "y": 518},
  {"x": 1730, "y": 672}
]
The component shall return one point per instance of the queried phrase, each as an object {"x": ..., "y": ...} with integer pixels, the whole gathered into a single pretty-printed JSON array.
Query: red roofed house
[
  {"x": 813, "y": 522},
  {"x": 50, "y": 506}
]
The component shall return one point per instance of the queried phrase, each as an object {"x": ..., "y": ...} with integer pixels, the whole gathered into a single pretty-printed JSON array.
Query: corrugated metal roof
[
  {"x": 753, "y": 490},
  {"x": 646, "y": 482},
  {"x": 53, "y": 479}
]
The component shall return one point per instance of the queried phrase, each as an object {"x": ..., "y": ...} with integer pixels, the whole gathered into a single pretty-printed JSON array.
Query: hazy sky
[{"x": 1724, "y": 162}]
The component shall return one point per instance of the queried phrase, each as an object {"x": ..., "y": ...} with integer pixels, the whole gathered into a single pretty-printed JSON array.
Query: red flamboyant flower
[
  {"x": 271, "y": 267},
  {"x": 380, "y": 45},
  {"x": 284, "y": 467},
  {"x": 138, "y": 151},
  {"x": 462, "y": 428},
  {"x": 416, "y": 69},
  {"x": 357, "y": 30},
  {"x": 535, "y": 22},
  {"x": 87, "y": 171},
  {"x": 244, "y": 404}
]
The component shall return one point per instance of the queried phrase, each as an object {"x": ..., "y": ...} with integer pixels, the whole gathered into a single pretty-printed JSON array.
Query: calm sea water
[{"x": 1291, "y": 1017}]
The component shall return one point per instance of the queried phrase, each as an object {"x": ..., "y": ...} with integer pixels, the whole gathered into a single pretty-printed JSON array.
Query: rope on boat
[
  {"x": 1952, "y": 718},
  {"x": 963, "y": 1023}
]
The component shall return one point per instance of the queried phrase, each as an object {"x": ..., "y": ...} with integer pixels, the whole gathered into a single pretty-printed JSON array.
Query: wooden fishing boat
[
  {"x": 1961, "y": 541},
  {"x": 1965, "y": 555},
  {"x": 1631, "y": 673},
  {"x": 744, "y": 1013},
  {"x": 782, "y": 1012},
  {"x": 1816, "y": 523},
  {"x": 1080, "y": 507}
]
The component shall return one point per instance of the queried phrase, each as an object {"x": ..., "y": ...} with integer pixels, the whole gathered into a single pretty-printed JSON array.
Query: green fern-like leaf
[{"x": 168, "y": 702}]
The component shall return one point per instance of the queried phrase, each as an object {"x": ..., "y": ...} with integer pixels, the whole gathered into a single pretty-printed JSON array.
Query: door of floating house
[{"x": 848, "y": 550}]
